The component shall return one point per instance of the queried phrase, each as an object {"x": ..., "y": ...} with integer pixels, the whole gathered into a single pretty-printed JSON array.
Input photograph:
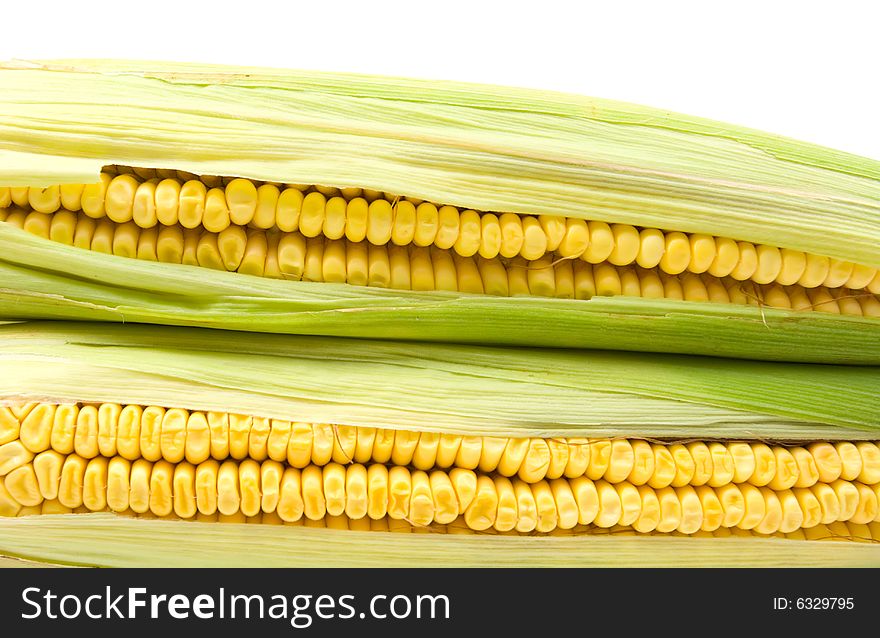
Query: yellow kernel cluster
[
  {"x": 835, "y": 531},
  {"x": 217, "y": 205},
  {"x": 421, "y": 498},
  {"x": 171, "y": 462},
  {"x": 155, "y": 433},
  {"x": 291, "y": 255}
]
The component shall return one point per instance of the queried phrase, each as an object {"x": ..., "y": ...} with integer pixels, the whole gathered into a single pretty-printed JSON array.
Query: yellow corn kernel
[
  {"x": 93, "y": 196},
  {"x": 47, "y": 468},
  {"x": 21, "y": 484},
  {"x": 70, "y": 491},
  {"x": 722, "y": 465},
  {"x": 601, "y": 242},
  {"x": 287, "y": 209},
  {"x": 815, "y": 271},
  {"x": 536, "y": 462},
  {"x": 765, "y": 465},
  {"x": 118, "y": 484},
  {"x": 35, "y": 431},
  {"x": 161, "y": 488},
  {"x": 851, "y": 460},
  {"x": 621, "y": 461},
  {"x": 870, "y": 467},
  {"x": 626, "y": 245}
]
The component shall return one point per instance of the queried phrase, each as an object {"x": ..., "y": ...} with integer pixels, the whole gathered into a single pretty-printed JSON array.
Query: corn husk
[
  {"x": 437, "y": 387},
  {"x": 107, "y": 540},
  {"x": 483, "y": 147}
]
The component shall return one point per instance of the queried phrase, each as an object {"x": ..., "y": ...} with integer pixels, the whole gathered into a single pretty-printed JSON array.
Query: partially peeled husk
[
  {"x": 482, "y": 147},
  {"x": 437, "y": 387},
  {"x": 424, "y": 387}
]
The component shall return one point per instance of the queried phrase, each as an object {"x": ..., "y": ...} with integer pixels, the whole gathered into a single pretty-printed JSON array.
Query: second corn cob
[{"x": 566, "y": 457}]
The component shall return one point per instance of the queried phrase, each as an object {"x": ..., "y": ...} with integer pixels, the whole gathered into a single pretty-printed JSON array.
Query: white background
[{"x": 810, "y": 70}]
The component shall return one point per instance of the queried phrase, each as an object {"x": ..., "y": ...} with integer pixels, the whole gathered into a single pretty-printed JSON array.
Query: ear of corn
[
  {"x": 462, "y": 449},
  {"x": 487, "y": 148},
  {"x": 277, "y": 430},
  {"x": 93, "y": 420},
  {"x": 705, "y": 238}
]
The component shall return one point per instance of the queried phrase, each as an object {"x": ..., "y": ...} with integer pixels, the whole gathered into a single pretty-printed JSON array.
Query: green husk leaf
[
  {"x": 106, "y": 540},
  {"x": 484, "y": 147},
  {"x": 43, "y": 279},
  {"x": 438, "y": 387}
]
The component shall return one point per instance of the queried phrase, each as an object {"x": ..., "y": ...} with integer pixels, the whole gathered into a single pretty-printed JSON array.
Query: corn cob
[
  {"x": 314, "y": 437},
  {"x": 386, "y": 244},
  {"x": 204, "y": 465},
  {"x": 547, "y": 220}
]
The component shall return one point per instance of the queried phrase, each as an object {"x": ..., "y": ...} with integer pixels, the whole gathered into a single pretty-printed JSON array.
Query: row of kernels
[
  {"x": 217, "y": 181},
  {"x": 292, "y": 256},
  {"x": 123, "y": 199},
  {"x": 422, "y": 498},
  {"x": 249, "y": 487},
  {"x": 833, "y": 531},
  {"x": 170, "y": 200},
  {"x": 175, "y": 434}
]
